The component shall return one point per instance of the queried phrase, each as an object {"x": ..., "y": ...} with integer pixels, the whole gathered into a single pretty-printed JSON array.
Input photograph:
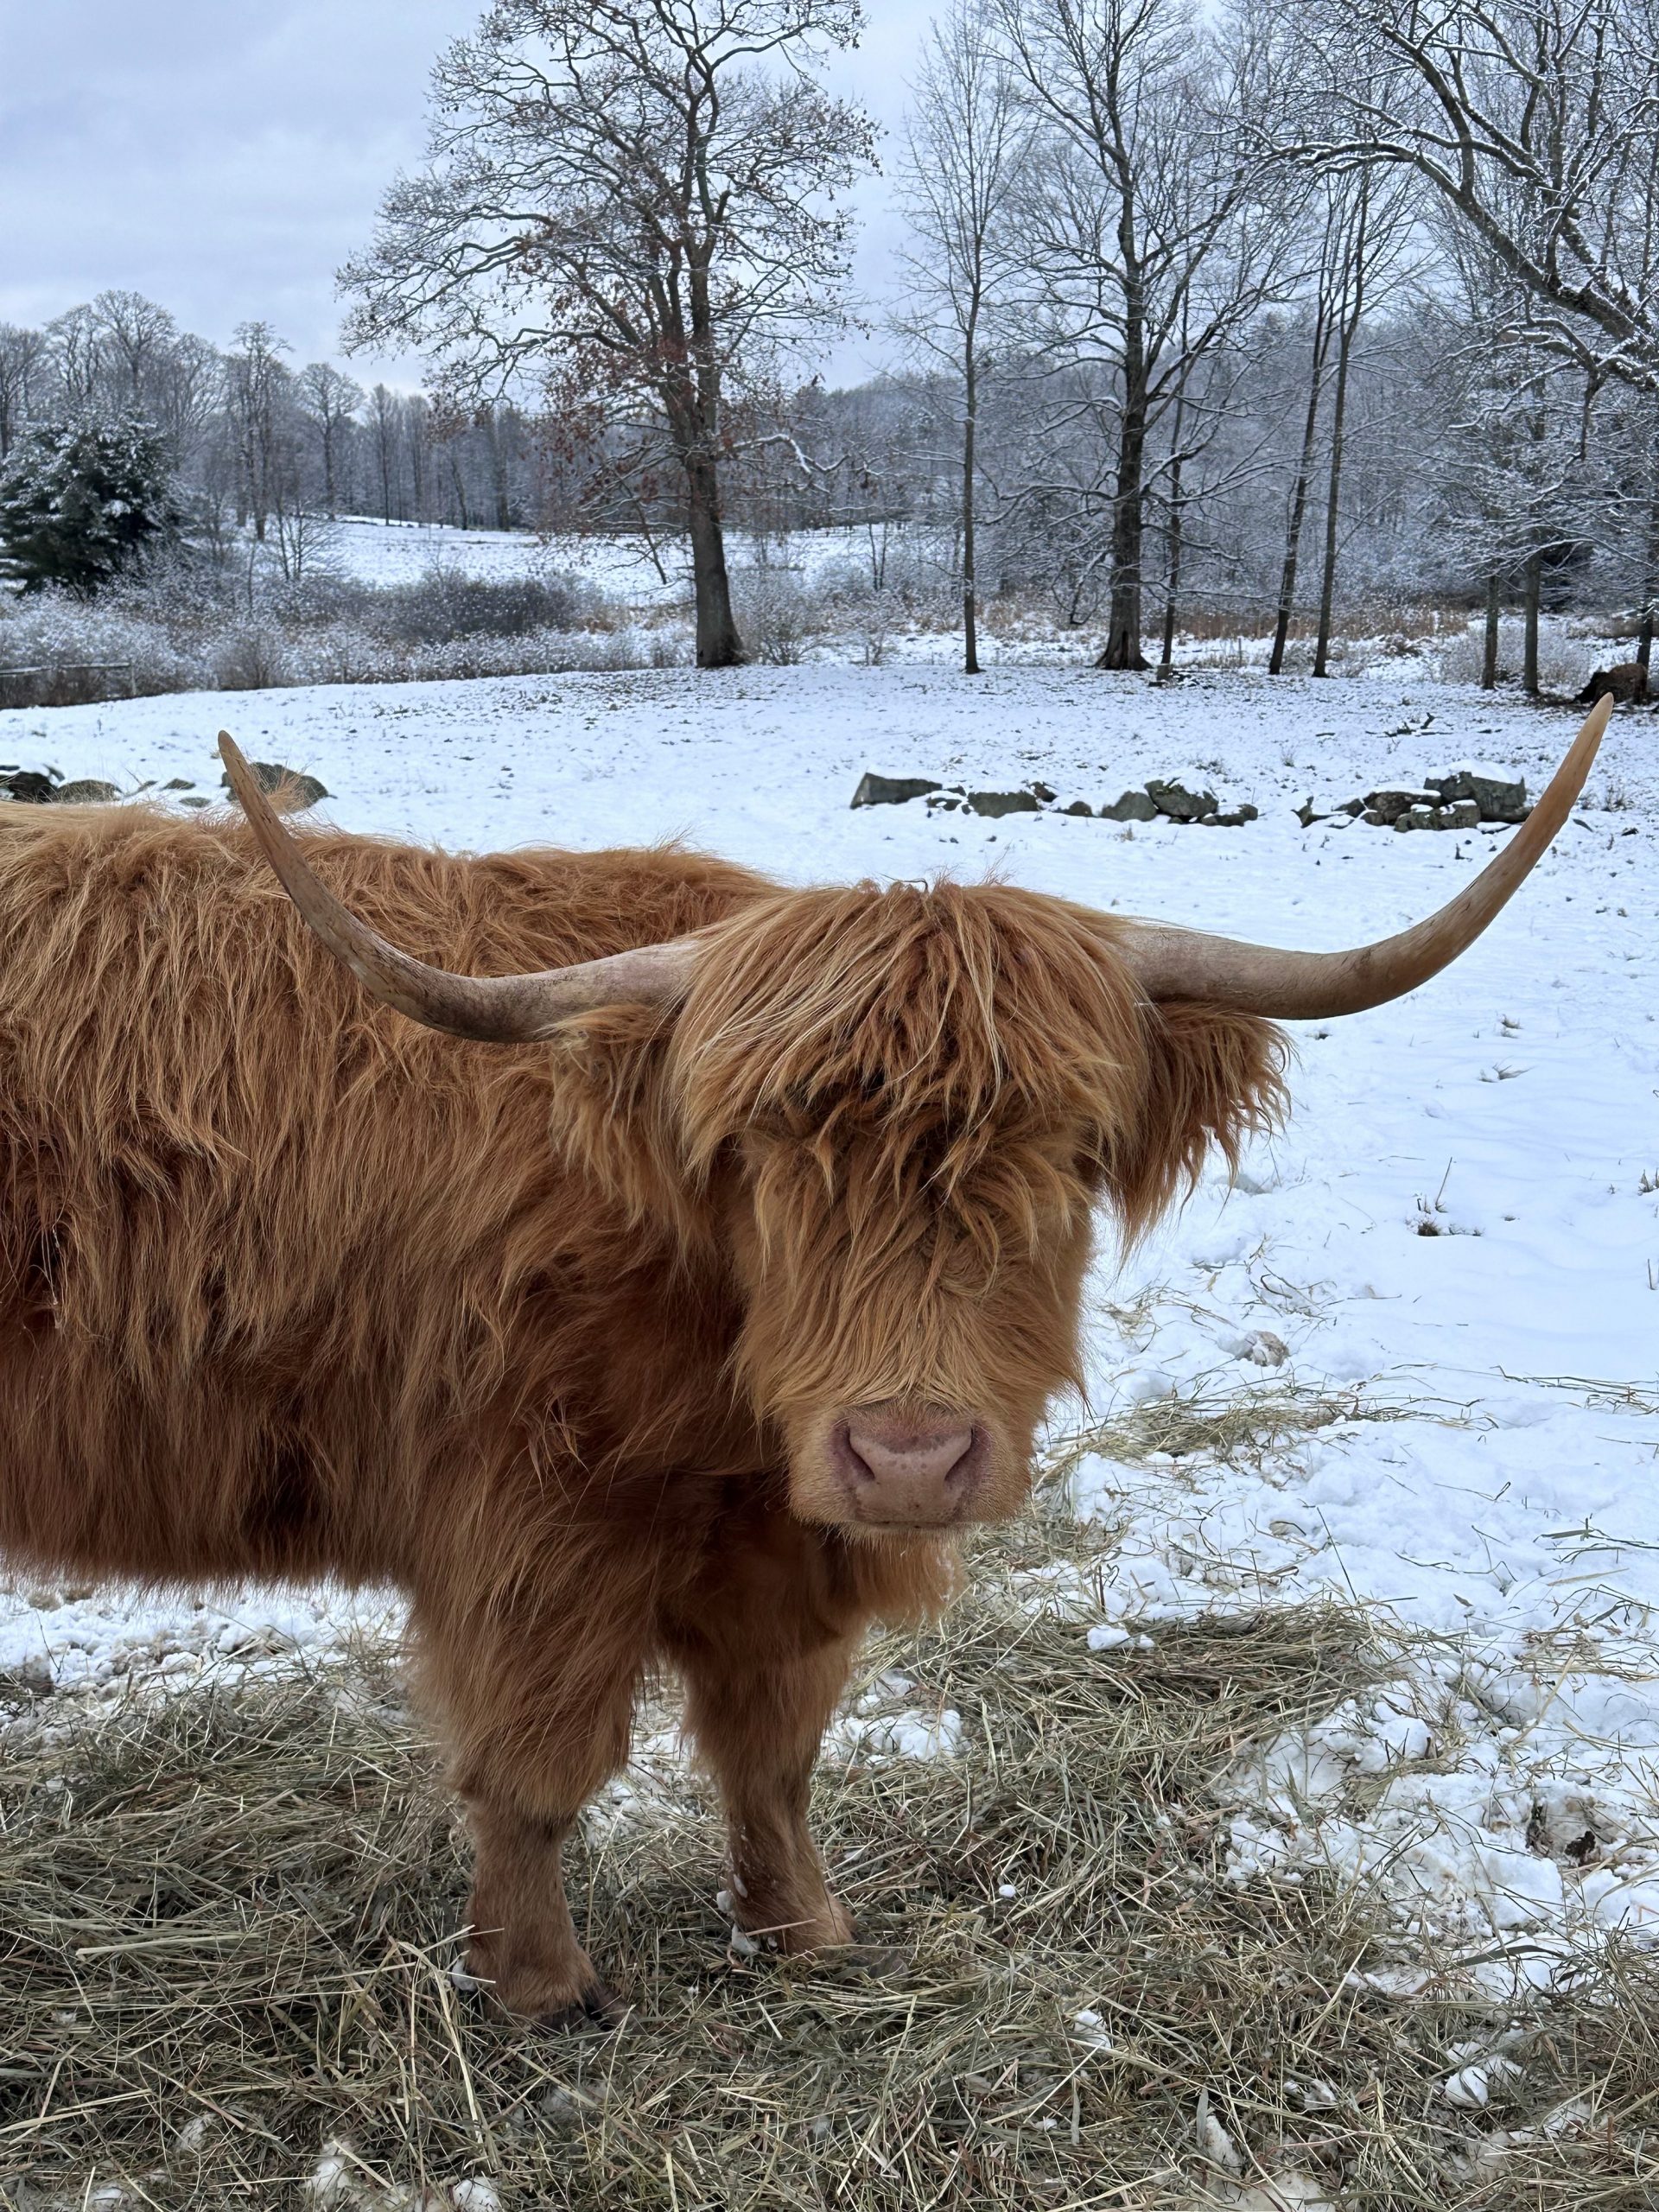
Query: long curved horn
[
  {"x": 1177, "y": 963},
  {"x": 495, "y": 1009}
]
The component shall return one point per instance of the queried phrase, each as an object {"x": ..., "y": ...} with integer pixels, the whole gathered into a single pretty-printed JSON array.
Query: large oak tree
[{"x": 631, "y": 203}]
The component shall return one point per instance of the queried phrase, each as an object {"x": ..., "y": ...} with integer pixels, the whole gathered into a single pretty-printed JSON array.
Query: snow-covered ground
[
  {"x": 1455, "y": 1240},
  {"x": 389, "y": 553}
]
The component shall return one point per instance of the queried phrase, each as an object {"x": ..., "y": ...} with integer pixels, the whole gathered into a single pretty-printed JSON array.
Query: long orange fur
[{"x": 547, "y": 1335}]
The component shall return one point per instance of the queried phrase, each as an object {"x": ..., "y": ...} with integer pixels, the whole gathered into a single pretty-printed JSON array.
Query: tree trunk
[
  {"x": 1533, "y": 600},
  {"x": 1650, "y": 579},
  {"x": 1123, "y": 627},
  {"x": 1122, "y": 648},
  {"x": 1333, "y": 507},
  {"x": 1173, "y": 573},
  {"x": 1299, "y": 493},
  {"x": 969, "y": 580},
  {"x": 1354, "y": 309},
  {"x": 694, "y": 412},
  {"x": 718, "y": 643},
  {"x": 1489, "y": 654},
  {"x": 498, "y": 471}
]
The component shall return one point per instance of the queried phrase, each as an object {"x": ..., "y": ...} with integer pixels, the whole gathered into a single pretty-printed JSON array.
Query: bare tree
[
  {"x": 137, "y": 340},
  {"x": 1146, "y": 225},
  {"x": 632, "y": 201},
  {"x": 331, "y": 402},
  {"x": 77, "y": 353},
  {"x": 23, "y": 356},
  {"x": 258, "y": 401},
  {"x": 1537, "y": 124},
  {"x": 1324, "y": 310},
  {"x": 385, "y": 409},
  {"x": 964, "y": 144},
  {"x": 1523, "y": 482},
  {"x": 1373, "y": 222}
]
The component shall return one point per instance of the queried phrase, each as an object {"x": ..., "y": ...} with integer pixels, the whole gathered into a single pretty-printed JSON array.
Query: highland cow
[
  {"x": 662, "y": 1274},
  {"x": 1625, "y": 684}
]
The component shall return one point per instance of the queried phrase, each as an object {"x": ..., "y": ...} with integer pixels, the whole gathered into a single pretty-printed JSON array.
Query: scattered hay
[
  {"x": 226, "y": 1922},
  {"x": 1231, "y": 1428}
]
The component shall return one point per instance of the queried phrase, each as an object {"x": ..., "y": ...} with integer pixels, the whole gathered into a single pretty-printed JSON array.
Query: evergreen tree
[{"x": 80, "y": 501}]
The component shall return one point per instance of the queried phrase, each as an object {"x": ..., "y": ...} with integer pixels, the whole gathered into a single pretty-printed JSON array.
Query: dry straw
[{"x": 227, "y": 1921}]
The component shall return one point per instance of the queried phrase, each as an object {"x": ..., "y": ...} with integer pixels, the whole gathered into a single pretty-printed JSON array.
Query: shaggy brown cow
[
  {"x": 679, "y": 1311},
  {"x": 1625, "y": 684}
]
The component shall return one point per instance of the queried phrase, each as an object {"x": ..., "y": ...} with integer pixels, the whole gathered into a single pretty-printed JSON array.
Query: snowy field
[
  {"x": 390, "y": 553},
  {"x": 1449, "y": 1259}
]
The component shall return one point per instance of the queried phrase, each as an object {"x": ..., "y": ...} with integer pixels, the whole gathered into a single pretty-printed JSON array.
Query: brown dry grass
[{"x": 227, "y": 1916}]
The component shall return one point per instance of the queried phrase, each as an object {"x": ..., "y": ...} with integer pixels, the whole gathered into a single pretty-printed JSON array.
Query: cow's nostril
[{"x": 909, "y": 1458}]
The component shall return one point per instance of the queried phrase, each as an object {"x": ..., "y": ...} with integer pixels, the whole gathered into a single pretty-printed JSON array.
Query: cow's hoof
[
  {"x": 597, "y": 2010},
  {"x": 828, "y": 1930},
  {"x": 827, "y": 1927}
]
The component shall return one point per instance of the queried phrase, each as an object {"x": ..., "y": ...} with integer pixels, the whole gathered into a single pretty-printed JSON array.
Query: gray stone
[
  {"x": 1462, "y": 814},
  {"x": 1499, "y": 799},
  {"x": 1394, "y": 800},
  {"x": 195, "y": 802},
  {"x": 886, "y": 791},
  {"x": 292, "y": 791},
  {"x": 1234, "y": 818},
  {"x": 1133, "y": 806},
  {"x": 90, "y": 791},
  {"x": 997, "y": 803},
  {"x": 30, "y": 787},
  {"x": 1079, "y": 806},
  {"x": 1177, "y": 803},
  {"x": 178, "y": 784}
]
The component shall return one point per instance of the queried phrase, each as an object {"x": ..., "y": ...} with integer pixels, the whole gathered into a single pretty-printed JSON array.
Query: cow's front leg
[
  {"x": 537, "y": 1709},
  {"x": 765, "y": 1640}
]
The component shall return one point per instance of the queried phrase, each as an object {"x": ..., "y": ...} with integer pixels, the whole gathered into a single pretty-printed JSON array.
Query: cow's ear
[
  {"x": 1212, "y": 1078},
  {"x": 613, "y": 1119}
]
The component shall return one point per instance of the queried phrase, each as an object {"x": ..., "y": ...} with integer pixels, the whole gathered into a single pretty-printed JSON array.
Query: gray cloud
[{"x": 224, "y": 159}]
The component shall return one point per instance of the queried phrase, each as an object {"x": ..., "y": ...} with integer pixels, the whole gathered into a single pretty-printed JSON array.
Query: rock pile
[
  {"x": 1157, "y": 797},
  {"x": 289, "y": 791},
  {"x": 1462, "y": 799},
  {"x": 28, "y": 787}
]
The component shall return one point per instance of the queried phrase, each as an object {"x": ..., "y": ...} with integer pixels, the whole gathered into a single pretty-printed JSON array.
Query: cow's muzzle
[{"x": 900, "y": 1468}]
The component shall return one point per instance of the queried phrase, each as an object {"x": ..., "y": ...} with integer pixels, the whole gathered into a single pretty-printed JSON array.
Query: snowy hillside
[
  {"x": 389, "y": 553},
  {"x": 1445, "y": 1273}
]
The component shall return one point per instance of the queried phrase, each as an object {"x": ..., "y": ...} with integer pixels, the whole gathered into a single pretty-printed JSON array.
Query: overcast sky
[{"x": 224, "y": 156}]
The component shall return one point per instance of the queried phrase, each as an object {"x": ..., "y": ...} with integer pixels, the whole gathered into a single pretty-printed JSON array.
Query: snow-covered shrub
[
  {"x": 1564, "y": 662},
  {"x": 69, "y": 651},
  {"x": 192, "y": 622},
  {"x": 253, "y": 657},
  {"x": 445, "y": 604},
  {"x": 776, "y": 614}
]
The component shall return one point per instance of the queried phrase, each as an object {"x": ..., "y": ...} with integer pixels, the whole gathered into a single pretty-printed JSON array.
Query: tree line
[
  {"x": 257, "y": 440},
  {"x": 1258, "y": 307}
]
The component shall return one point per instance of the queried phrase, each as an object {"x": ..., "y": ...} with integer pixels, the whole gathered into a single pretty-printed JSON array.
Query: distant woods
[{"x": 1265, "y": 316}]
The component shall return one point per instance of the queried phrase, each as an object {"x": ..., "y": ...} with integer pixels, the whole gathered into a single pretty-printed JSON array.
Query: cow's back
[{"x": 267, "y": 1250}]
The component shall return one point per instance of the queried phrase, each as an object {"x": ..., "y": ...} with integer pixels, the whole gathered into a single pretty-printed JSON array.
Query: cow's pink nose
[{"x": 906, "y": 1471}]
